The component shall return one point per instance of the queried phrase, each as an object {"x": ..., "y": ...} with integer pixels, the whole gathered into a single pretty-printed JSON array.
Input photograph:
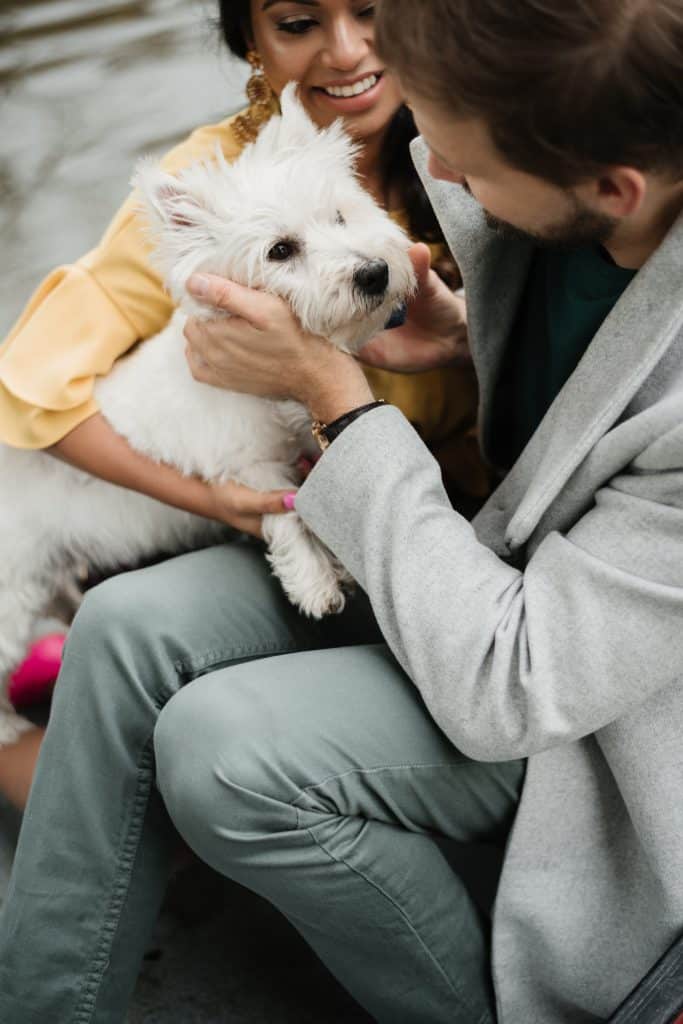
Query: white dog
[{"x": 290, "y": 217}]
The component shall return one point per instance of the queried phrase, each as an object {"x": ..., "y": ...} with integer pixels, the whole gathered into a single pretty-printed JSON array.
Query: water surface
[{"x": 86, "y": 88}]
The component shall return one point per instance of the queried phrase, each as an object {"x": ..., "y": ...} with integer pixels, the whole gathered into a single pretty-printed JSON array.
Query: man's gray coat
[{"x": 552, "y": 626}]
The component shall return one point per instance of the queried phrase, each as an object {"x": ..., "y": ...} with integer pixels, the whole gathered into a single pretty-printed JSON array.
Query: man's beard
[{"x": 582, "y": 226}]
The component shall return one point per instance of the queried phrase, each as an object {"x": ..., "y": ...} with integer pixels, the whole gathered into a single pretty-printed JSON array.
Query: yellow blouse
[{"x": 84, "y": 316}]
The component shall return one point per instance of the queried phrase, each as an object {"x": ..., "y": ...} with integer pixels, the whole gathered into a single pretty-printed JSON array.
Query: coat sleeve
[
  {"x": 84, "y": 316},
  {"x": 509, "y": 663}
]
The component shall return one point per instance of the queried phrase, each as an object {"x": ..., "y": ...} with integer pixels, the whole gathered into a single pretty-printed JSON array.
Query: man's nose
[{"x": 346, "y": 46}]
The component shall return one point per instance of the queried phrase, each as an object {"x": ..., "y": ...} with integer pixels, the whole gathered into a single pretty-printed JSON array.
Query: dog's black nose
[{"x": 373, "y": 277}]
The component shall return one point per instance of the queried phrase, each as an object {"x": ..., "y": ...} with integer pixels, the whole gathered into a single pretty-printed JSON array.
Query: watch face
[{"x": 318, "y": 431}]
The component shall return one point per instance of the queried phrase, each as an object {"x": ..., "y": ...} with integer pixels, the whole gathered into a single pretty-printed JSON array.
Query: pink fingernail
[
  {"x": 198, "y": 285},
  {"x": 288, "y": 500}
]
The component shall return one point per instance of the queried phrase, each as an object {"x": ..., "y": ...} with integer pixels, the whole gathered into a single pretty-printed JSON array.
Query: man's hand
[
  {"x": 435, "y": 331},
  {"x": 261, "y": 349}
]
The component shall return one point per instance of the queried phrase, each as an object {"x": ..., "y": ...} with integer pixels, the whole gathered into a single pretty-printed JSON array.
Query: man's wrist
[
  {"x": 325, "y": 433},
  {"x": 335, "y": 388},
  {"x": 331, "y": 407}
]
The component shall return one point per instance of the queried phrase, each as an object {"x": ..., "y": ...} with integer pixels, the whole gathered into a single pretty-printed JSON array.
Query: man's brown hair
[{"x": 566, "y": 87}]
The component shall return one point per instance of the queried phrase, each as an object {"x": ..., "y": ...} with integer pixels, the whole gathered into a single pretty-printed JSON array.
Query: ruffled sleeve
[{"x": 84, "y": 316}]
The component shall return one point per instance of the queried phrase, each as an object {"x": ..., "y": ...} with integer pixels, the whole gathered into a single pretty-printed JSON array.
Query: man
[{"x": 553, "y": 629}]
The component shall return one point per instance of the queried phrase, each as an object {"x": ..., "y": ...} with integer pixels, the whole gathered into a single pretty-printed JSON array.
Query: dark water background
[{"x": 86, "y": 88}]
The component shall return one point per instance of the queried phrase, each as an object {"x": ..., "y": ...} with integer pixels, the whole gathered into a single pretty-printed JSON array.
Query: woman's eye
[
  {"x": 297, "y": 26},
  {"x": 367, "y": 12},
  {"x": 282, "y": 251}
]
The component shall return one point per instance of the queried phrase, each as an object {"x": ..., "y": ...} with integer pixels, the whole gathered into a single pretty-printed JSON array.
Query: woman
[
  {"x": 83, "y": 317},
  {"x": 97, "y": 844}
]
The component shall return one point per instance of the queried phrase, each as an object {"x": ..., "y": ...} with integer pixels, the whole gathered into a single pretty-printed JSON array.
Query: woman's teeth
[{"x": 344, "y": 91}]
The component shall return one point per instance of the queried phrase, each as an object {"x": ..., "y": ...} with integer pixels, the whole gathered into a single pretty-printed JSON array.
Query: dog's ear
[
  {"x": 295, "y": 131},
  {"x": 183, "y": 223},
  {"x": 295, "y": 128},
  {"x": 173, "y": 203}
]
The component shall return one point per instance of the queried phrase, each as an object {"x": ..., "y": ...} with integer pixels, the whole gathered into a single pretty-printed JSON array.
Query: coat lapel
[
  {"x": 628, "y": 346},
  {"x": 494, "y": 273}
]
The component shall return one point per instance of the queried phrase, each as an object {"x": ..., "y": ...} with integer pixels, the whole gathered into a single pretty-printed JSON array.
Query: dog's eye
[
  {"x": 283, "y": 250},
  {"x": 340, "y": 219}
]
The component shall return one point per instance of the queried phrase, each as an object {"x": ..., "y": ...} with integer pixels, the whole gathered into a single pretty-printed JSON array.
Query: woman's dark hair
[{"x": 396, "y": 168}]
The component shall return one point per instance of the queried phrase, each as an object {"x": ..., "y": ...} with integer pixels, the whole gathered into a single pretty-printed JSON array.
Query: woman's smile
[
  {"x": 353, "y": 95},
  {"x": 328, "y": 47}
]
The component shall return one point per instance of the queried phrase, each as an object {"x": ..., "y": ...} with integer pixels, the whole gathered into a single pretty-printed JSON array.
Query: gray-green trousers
[{"x": 295, "y": 757}]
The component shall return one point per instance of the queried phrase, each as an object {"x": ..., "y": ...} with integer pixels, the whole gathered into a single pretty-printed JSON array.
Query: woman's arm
[{"x": 93, "y": 446}]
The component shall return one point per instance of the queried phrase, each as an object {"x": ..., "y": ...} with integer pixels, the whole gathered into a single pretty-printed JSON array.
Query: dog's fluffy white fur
[{"x": 294, "y": 184}]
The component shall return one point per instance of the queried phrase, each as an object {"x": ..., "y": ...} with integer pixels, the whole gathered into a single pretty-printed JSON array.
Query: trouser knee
[{"x": 218, "y": 771}]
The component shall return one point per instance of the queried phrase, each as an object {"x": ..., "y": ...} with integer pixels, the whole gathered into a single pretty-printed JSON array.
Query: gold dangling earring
[{"x": 260, "y": 96}]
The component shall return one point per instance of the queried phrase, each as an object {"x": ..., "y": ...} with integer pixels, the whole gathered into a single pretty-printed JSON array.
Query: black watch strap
[{"x": 325, "y": 433}]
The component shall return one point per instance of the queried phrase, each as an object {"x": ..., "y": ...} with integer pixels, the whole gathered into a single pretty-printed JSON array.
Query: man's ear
[{"x": 618, "y": 192}]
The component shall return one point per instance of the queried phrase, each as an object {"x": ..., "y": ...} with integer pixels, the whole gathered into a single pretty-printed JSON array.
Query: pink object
[
  {"x": 33, "y": 681},
  {"x": 305, "y": 463},
  {"x": 288, "y": 500}
]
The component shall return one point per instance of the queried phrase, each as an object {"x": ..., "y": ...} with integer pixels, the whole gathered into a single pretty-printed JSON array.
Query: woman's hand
[
  {"x": 243, "y": 508},
  {"x": 435, "y": 331},
  {"x": 261, "y": 349},
  {"x": 95, "y": 447}
]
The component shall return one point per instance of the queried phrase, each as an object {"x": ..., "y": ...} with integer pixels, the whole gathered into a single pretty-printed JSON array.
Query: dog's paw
[
  {"x": 322, "y": 597},
  {"x": 311, "y": 583},
  {"x": 309, "y": 575}
]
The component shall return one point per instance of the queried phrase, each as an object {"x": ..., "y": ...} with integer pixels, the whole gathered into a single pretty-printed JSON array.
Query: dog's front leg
[
  {"x": 308, "y": 572},
  {"x": 310, "y": 575}
]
